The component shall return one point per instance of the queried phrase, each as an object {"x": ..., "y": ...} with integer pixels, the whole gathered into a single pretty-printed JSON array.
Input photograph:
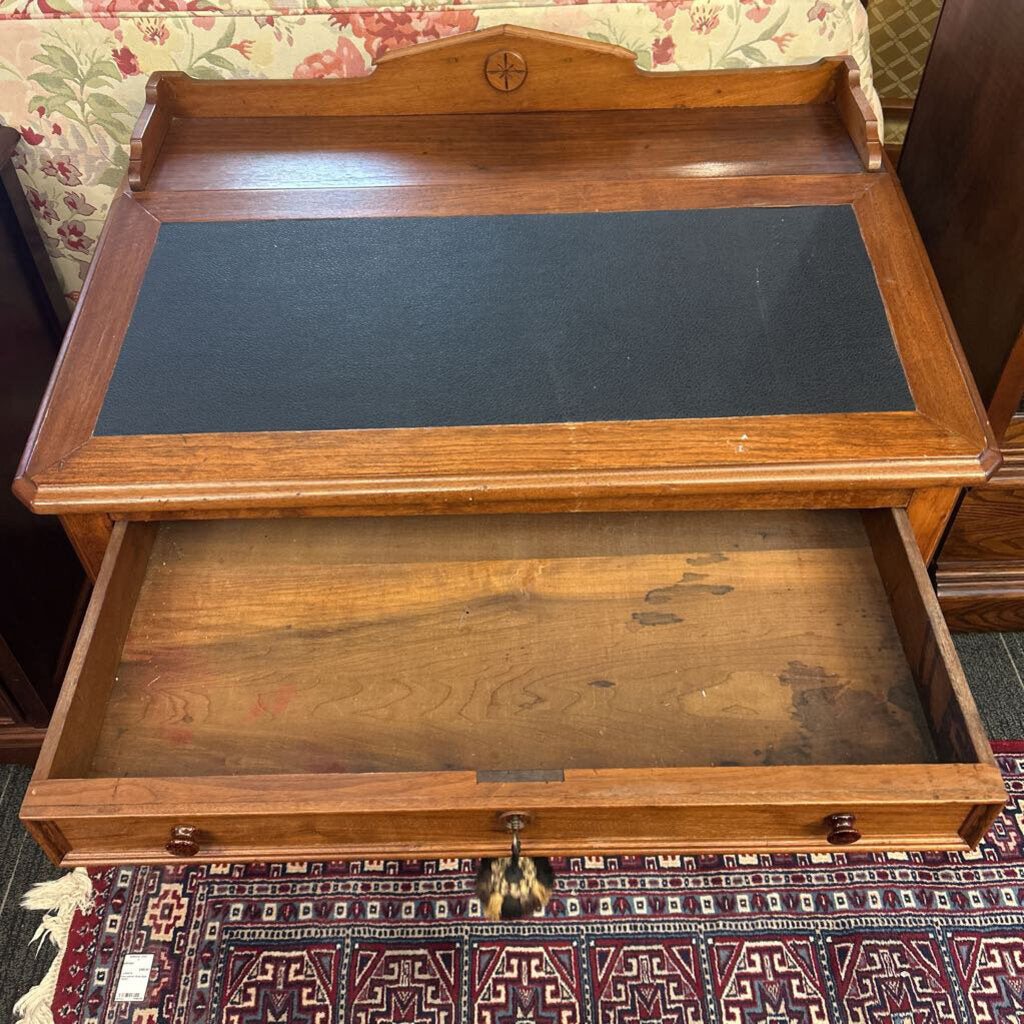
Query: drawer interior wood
[{"x": 503, "y": 644}]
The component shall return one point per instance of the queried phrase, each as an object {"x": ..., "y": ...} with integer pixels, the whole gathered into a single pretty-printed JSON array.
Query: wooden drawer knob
[
  {"x": 840, "y": 829},
  {"x": 184, "y": 841}
]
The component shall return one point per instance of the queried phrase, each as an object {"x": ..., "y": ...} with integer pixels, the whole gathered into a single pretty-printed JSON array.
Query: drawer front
[
  {"x": 771, "y": 809},
  {"x": 551, "y": 833},
  {"x": 83, "y": 810}
]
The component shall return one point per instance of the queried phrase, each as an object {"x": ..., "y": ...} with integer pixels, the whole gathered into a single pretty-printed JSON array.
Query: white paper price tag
[{"x": 134, "y": 978}]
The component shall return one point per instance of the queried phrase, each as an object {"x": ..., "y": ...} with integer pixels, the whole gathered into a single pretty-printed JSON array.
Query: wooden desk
[{"x": 581, "y": 539}]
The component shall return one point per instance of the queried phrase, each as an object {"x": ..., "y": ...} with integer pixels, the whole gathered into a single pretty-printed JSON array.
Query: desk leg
[
  {"x": 930, "y": 510},
  {"x": 88, "y": 533}
]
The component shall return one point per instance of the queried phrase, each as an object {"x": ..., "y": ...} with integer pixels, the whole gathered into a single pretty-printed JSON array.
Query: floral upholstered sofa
[{"x": 72, "y": 72}]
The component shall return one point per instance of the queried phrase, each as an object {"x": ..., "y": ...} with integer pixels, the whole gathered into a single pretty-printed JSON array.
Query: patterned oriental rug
[{"x": 794, "y": 939}]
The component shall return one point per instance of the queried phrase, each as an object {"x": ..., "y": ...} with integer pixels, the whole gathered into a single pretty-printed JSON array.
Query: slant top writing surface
[{"x": 422, "y": 322}]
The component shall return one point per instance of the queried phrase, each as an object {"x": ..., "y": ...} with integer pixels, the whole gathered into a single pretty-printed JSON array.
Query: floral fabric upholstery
[{"x": 72, "y": 72}]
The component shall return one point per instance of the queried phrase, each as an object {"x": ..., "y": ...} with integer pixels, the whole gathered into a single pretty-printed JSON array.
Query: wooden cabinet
[
  {"x": 361, "y": 597},
  {"x": 41, "y": 582},
  {"x": 961, "y": 168}
]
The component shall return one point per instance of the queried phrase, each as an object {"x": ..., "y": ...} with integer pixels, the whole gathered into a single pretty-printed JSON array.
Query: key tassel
[{"x": 514, "y": 886}]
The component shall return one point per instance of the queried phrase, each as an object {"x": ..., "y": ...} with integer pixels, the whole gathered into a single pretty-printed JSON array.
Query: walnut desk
[{"x": 509, "y": 432}]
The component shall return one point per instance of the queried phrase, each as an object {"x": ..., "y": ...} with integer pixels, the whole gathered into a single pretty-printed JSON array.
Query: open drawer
[{"x": 681, "y": 681}]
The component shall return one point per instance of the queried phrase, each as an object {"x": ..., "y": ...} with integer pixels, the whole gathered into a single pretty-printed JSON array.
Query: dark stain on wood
[
  {"x": 655, "y": 618},
  {"x": 603, "y": 684},
  {"x": 901, "y": 697},
  {"x": 712, "y": 558},
  {"x": 796, "y": 673},
  {"x": 820, "y": 699},
  {"x": 686, "y": 586}
]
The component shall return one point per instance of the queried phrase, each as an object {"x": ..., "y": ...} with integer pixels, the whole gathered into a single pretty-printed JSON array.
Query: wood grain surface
[
  {"x": 564, "y": 73},
  {"x": 447, "y": 76},
  {"x": 979, "y": 574},
  {"x": 77, "y": 717},
  {"x": 566, "y": 466},
  {"x": 501, "y": 194},
  {"x": 930, "y": 510},
  {"x": 706, "y": 810},
  {"x": 510, "y": 643},
  {"x": 89, "y": 533},
  {"x": 980, "y": 571},
  {"x": 961, "y": 170},
  {"x": 956, "y": 726},
  {"x": 698, "y": 811},
  {"x": 323, "y": 152}
]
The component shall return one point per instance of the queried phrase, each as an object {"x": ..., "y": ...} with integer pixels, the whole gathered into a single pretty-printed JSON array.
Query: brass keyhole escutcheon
[
  {"x": 505, "y": 70},
  {"x": 515, "y": 822}
]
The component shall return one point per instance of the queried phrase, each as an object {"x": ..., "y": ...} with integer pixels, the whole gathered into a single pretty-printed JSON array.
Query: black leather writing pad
[{"x": 411, "y": 322}]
